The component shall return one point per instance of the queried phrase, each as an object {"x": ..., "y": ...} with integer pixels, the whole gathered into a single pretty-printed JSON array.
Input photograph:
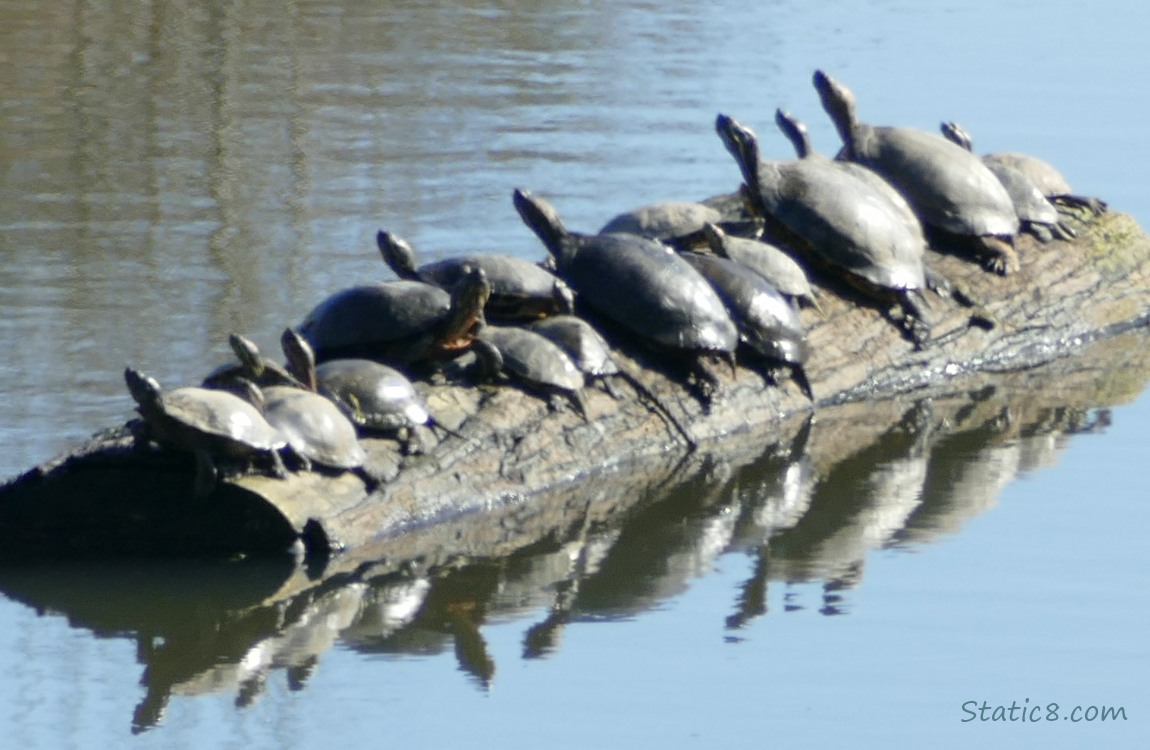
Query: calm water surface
[{"x": 171, "y": 173}]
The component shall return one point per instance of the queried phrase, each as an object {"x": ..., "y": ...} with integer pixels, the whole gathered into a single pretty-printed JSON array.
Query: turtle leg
[
  {"x": 1096, "y": 206},
  {"x": 206, "y": 473},
  {"x": 1043, "y": 232},
  {"x": 909, "y": 314},
  {"x": 279, "y": 471},
  {"x": 998, "y": 255}
]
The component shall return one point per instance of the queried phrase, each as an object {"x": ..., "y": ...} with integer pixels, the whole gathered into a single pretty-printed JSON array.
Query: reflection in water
[{"x": 809, "y": 509}]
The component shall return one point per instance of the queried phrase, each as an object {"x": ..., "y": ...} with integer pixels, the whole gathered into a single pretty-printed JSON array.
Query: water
[{"x": 174, "y": 173}]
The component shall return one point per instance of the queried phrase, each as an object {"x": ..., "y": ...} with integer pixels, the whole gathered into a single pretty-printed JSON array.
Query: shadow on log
[
  {"x": 516, "y": 458},
  {"x": 806, "y": 501}
]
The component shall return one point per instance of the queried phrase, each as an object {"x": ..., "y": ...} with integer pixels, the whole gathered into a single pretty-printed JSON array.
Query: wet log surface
[{"x": 517, "y": 455}]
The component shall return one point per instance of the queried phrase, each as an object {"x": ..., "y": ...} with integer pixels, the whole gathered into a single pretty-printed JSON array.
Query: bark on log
[{"x": 517, "y": 454}]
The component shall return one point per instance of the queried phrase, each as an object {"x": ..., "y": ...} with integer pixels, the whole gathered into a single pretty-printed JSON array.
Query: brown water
[{"x": 170, "y": 173}]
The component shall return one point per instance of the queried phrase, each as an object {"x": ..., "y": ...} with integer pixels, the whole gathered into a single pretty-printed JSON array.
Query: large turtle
[
  {"x": 639, "y": 284},
  {"x": 767, "y": 322},
  {"x": 520, "y": 290},
  {"x": 399, "y": 322},
  {"x": 375, "y": 397},
  {"x": 315, "y": 427},
  {"x": 949, "y": 188},
  {"x": 531, "y": 359},
  {"x": 1038, "y": 215},
  {"x": 839, "y": 221},
  {"x": 211, "y": 424}
]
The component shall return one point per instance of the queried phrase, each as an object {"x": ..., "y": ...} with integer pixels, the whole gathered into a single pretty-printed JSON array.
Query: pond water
[{"x": 172, "y": 172}]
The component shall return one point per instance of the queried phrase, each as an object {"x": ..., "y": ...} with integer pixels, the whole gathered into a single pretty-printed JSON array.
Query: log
[{"x": 517, "y": 453}]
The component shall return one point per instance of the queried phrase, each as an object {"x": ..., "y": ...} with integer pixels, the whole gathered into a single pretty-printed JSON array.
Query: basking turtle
[
  {"x": 1038, "y": 215},
  {"x": 520, "y": 290},
  {"x": 796, "y": 132},
  {"x": 769, "y": 261},
  {"x": 211, "y": 424},
  {"x": 767, "y": 322},
  {"x": 949, "y": 188},
  {"x": 532, "y": 360},
  {"x": 591, "y": 353},
  {"x": 840, "y": 223},
  {"x": 663, "y": 221},
  {"x": 375, "y": 397},
  {"x": 1042, "y": 174},
  {"x": 400, "y": 322},
  {"x": 639, "y": 284}
]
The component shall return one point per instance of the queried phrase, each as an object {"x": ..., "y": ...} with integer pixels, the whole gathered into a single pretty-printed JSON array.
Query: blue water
[{"x": 171, "y": 174}]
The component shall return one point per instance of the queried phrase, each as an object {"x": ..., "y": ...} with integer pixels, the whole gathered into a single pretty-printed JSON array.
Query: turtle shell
[
  {"x": 580, "y": 341},
  {"x": 372, "y": 320},
  {"x": 766, "y": 320},
  {"x": 374, "y": 395},
  {"x": 314, "y": 427},
  {"x": 520, "y": 289},
  {"x": 663, "y": 220},
  {"x": 533, "y": 358}
]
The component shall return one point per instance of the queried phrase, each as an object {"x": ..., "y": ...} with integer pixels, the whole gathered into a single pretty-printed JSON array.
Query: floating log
[{"x": 515, "y": 451}]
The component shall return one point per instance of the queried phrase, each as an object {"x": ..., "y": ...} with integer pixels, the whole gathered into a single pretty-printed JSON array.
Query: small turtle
[
  {"x": 520, "y": 290},
  {"x": 592, "y": 354},
  {"x": 317, "y": 430},
  {"x": 400, "y": 322},
  {"x": 769, "y": 261},
  {"x": 840, "y": 222},
  {"x": 211, "y": 424},
  {"x": 532, "y": 360},
  {"x": 949, "y": 188},
  {"x": 767, "y": 322},
  {"x": 375, "y": 397},
  {"x": 640, "y": 285},
  {"x": 1038, "y": 215}
]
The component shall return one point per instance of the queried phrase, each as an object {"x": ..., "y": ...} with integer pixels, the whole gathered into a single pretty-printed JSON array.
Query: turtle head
[
  {"x": 955, "y": 133},
  {"x": 542, "y": 218},
  {"x": 144, "y": 389},
  {"x": 743, "y": 144},
  {"x": 248, "y": 354},
  {"x": 469, "y": 296},
  {"x": 250, "y": 392},
  {"x": 397, "y": 254},
  {"x": 716, "y": 239},
  {"x": 488, "y": 358},
  {"x": 795, "y": 131},
  {"x": 839, "y": 103},
  {"x": 300, "y": 358}
]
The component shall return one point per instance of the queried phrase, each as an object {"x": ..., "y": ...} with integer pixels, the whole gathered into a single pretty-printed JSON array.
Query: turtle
[
  {"x": 1044, "y": 175},
  {"x": 520, "y": 290},
  {"x": 315, "y": 427},
  {"x": 1038, "y": 215},
  {"x": 398, "y": 322},
  {"x": 640, "y": 285},
  {"x": 950, "y": 189},
  {"x": 211, "y": 424},
  {"x": 768, "y": 324},
  {"x": 680, "y": 224},
  {"x": 531, "y": 359},
  {"x": 796, "y": 133},
  {"x": 375, "y": 397},
  {"x": 769, "y": 261},
  {"x": 838, "y": 221},
  {"x": 592, "y": 354},
  {"x": 662, "y": 221}
]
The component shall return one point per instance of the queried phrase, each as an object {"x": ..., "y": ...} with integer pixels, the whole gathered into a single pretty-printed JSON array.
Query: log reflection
[{"x": 809, "y": 507}]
